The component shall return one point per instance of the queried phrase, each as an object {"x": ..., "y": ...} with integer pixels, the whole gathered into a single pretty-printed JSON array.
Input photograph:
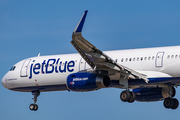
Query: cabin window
[
  {"x": 126, "y": 59},
  {"x": 122, "y": 60},
  {"x": 134, "y": 59},
  {"x": 138, "y": 59},
  {"x": 145, "y": 58},
  {"x": 153, "y": 58},
  {"x": 149, "y": 58},
  {"x": 172, "y": 56},
  {"x": 141, "y": 58},
  {"x": 129, "y": 59},
  {"x": 176, "y": 56},
  {"x": 168, "y": 56}
]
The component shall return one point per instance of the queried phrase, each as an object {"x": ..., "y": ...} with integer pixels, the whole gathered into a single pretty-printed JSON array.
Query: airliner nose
[{"x": 3, "y": 82}]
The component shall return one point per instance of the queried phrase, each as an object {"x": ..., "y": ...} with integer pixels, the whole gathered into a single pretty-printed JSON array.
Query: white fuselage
[{"x": 49, "y": 73}]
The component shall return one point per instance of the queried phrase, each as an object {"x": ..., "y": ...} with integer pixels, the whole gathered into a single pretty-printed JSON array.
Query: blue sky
[{"x": 31, "y": 27}]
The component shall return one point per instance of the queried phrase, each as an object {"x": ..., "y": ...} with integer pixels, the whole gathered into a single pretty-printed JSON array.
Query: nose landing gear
[{"x": 34, "y": 106}]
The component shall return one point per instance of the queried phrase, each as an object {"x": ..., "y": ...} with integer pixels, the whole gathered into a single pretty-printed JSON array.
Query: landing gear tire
[
  {"x": 33, "y": 107},
  {"x": 132, "y": 98},
  {"x": 172, "y": 103},
  {"x": 168, "y": 103},
  {"x": 175, "y": 103},
  {"x": 173, "y": 91},
  {"x": 125, "y": 96}
]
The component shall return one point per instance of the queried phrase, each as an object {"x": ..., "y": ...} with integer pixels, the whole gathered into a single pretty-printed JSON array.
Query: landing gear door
[
  {"x": 159, "y": 59},
  {"x": 24, "y": 68}
]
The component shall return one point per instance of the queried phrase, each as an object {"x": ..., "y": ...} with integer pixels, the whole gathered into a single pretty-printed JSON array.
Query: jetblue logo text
[
  {"x": 50, "y": 66},
  {"x": 80, "y": 79}
]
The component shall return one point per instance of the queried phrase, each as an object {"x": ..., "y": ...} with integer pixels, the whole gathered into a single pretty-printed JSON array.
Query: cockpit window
[{"x": 13, "y": 68}]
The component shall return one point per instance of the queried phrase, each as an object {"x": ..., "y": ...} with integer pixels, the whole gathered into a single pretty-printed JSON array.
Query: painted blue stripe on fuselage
[
  {"x": 41, "y": 88},
  {"x": 114, "y": 83}
]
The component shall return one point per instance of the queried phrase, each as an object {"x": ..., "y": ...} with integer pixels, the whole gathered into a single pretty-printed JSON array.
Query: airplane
[{"x": 147, "y": 74}]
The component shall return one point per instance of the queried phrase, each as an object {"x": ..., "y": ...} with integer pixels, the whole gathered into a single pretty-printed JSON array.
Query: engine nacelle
[
  {"x": 150, "y": 94},
  {"x": 87, "y": 82}
]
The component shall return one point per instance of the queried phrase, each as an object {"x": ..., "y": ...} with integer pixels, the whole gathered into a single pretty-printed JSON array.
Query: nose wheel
[{"x": 34, "y": 107}]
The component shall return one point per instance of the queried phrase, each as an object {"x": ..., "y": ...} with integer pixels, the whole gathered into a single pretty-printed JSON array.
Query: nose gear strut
[{"x": 34, "y": 106}]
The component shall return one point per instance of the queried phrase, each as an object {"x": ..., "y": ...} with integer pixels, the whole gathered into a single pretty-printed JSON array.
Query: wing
[{"x": 98, "y": 60}]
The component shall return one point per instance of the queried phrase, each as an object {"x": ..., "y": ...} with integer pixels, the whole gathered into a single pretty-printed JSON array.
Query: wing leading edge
[{"x": 96, "y": 58}]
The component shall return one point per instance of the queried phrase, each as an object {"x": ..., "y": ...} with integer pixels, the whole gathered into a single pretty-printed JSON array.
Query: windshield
[{"x": 13, "y": 68}]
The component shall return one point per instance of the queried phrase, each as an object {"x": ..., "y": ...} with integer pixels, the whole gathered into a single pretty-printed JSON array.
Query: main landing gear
[
  {"x": 171, "y": 102},
  {"x": 34, "y": 106},
  {"x": 127, "y": 96}
]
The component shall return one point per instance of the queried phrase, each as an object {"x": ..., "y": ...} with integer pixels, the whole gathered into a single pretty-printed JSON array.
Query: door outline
[
  {"x": 82, "y": 64},
  {"x": 24, "y": 68},
  {"x": 159, "y": 59}
]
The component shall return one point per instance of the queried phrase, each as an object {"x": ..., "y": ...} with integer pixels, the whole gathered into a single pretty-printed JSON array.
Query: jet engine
[
  {"x": 87, "y": 81},
  {"x": 151, "y": 94}
]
